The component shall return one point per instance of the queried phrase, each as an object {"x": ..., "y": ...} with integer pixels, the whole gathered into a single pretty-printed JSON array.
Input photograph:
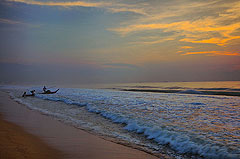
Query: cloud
[
  {"x": 214, "y": 53},
  {"x": 209, "y": 23},
  {"x": 112, "y": 6},
  {"x": 189, "y": 20},
  {"x": 143, "y": 27},
  {"x": 192, "y": 22},
  {"x": 193, "y": 31},
  {"x": 186, "y": 47},
  {"x": 8, "y": 21},
  {"x": 125, "y": 9},
  {"x": 63, "y": 3},
  {"x": 14, "y": 22},
  {"x": 157, "y": 41}
]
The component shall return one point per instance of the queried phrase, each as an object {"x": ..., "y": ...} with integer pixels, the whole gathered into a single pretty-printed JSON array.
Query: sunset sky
[{"x": 97, "y": 41}]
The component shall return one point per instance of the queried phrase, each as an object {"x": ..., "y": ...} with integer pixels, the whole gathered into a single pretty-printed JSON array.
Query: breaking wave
[
  {"x": 188, "y": 121},
  {"x": 180, "y": 141}
]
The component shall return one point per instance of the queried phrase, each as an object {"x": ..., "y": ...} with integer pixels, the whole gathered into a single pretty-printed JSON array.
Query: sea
[{"x": 167, "y": 119}]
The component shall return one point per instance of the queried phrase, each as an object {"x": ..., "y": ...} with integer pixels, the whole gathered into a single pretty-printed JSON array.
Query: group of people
[
  {"x": 26, "y": 95},
  {"x": 45, "y": 91}
]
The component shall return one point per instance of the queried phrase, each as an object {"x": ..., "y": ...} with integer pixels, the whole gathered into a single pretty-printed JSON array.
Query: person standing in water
[{"x": 44, "y": 89}]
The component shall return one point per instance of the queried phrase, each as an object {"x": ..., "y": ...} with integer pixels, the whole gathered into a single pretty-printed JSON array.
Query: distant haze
[{"x": 116, "y": 41}]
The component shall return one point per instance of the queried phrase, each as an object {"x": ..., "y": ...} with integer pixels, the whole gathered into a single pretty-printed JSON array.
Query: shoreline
[{"x": 73, "y": 142}]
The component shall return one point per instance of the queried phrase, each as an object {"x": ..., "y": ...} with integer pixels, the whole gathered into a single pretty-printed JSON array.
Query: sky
[{"x": 116, "y": 41}]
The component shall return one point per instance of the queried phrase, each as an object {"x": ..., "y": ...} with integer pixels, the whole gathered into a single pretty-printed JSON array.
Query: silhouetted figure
[
  {"x": 45, "y": 91},
  {"x": 27, "y": 95}
]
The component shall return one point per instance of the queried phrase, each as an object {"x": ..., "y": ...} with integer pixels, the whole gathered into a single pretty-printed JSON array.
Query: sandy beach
[
  {"x": 15, "y": 142},
  {"x": 21, "y": 128}
]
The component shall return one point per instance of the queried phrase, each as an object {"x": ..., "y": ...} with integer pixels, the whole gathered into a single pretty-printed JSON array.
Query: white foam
[
  {"x": 160, "y": 117},
  {"x": 178, "y": 142}
]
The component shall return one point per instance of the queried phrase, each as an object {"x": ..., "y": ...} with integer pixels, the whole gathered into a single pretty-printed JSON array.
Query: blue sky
[{"x": 119, "y": 41}]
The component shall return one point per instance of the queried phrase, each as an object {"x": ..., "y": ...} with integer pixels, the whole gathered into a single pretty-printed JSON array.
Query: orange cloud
[
  {"x": 208, "y": 30},
  {"x": 213, "y": 53},
  {"x": 194, "y": 31},
  {"x": 218, "y": 41},
  {"x": 186, "y": 47}
]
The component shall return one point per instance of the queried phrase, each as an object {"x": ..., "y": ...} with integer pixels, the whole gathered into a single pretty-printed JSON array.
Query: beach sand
[
  {"x": 16, "y": 143},
  {"x": 51, "y": 138}
]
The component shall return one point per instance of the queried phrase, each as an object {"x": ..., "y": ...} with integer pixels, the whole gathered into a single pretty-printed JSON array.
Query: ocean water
[
  {"x": 187, "y": 123},
  {"x": 229, "y": 88}
]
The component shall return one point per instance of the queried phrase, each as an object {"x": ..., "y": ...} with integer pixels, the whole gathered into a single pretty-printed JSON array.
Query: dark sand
[{"x": 70, "y": 141}]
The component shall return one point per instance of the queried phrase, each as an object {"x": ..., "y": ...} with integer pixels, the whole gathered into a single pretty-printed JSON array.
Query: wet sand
[
  {"x": 17, "y": 143},
  {"x": 68, "y": 141}
]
